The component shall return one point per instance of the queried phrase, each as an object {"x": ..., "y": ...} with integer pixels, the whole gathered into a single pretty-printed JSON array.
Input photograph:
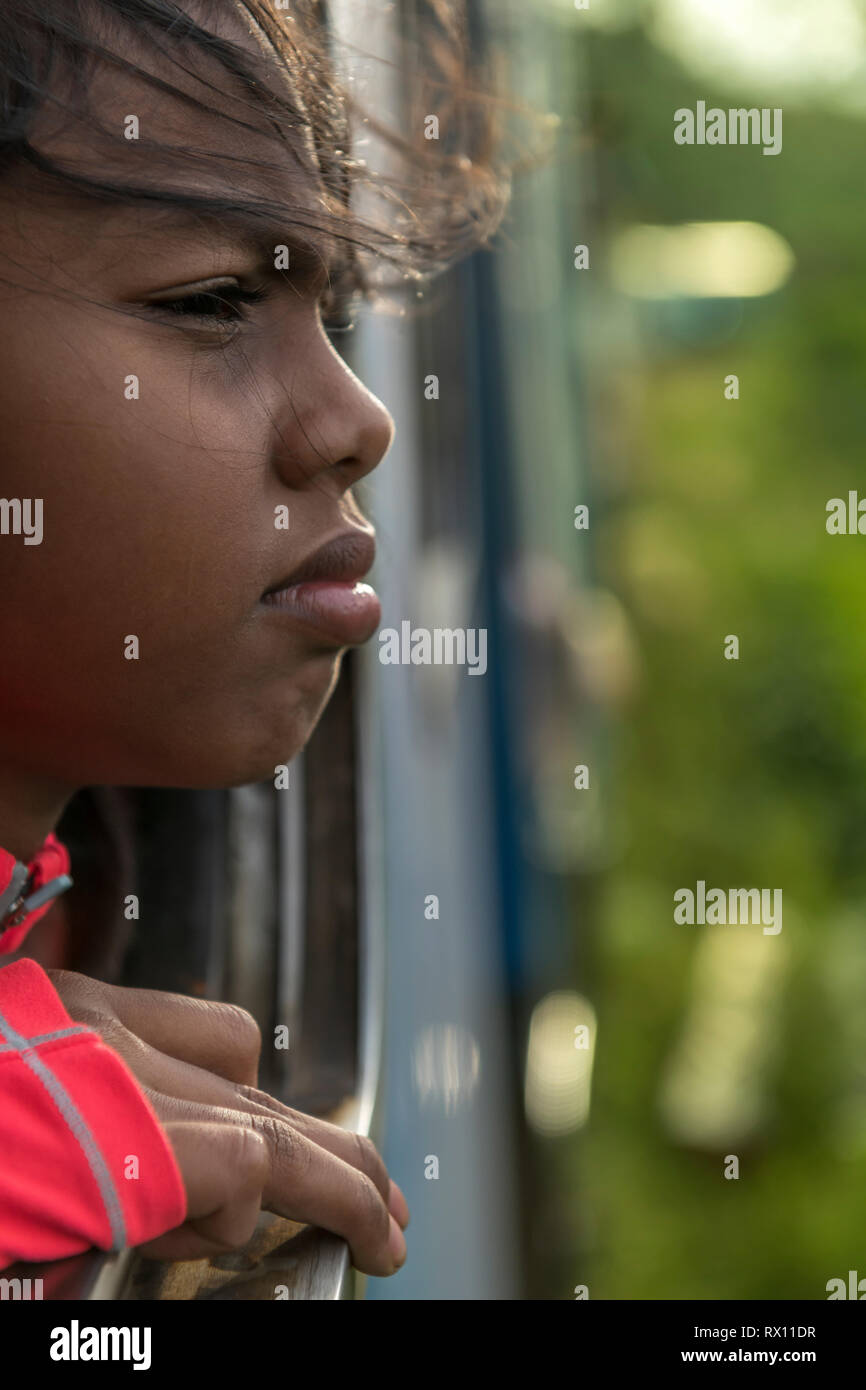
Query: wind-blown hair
[{"x": 438, "y": 199}]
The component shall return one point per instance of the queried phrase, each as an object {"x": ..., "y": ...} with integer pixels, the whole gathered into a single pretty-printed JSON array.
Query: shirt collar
[{"x": 28, "y": 890}]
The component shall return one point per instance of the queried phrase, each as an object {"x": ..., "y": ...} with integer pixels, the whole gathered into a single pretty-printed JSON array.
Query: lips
[
  {"x": 346, "y": 558},
  {"x": 325, "y": 593}
]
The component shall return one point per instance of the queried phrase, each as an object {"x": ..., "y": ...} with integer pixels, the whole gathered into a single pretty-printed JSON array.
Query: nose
[{"x": 332, "y": 429}]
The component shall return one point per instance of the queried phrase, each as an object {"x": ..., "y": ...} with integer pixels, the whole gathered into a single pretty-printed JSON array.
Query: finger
[
  {"x": 171, "y": 1077},
  {"x": 355, "y": 1149},
  {"x": 225, "y": 1168},
  {"x": 221, "y": 1038},
  {"x": 306, "y": 1183}
]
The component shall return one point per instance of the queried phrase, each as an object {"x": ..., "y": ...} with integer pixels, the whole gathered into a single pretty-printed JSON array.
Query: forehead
[{"x": 164, "y": 113}]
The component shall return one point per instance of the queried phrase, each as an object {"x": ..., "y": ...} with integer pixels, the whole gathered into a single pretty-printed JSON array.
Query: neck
[{"x": 29, "y": 810}]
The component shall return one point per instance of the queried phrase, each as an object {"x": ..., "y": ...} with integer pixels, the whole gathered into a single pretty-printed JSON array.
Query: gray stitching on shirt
[
  {"x": 79, "y": 1127},
  {"x": 44, "y": 1037}
]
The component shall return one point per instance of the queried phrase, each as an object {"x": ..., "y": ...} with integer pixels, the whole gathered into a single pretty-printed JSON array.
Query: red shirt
[{"x": 84, "y": 1160}]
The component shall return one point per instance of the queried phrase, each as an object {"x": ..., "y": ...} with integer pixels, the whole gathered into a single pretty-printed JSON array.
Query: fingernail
[
  {"x": 397, "y": 1206},
  {"x": 396, "y": 1244}
]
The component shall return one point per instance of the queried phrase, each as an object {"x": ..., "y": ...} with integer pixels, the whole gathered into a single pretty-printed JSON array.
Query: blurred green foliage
[{"x": 742, "y": 773}]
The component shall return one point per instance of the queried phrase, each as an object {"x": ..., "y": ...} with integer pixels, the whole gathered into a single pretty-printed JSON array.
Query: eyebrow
[{"x": 311, "y": 246}]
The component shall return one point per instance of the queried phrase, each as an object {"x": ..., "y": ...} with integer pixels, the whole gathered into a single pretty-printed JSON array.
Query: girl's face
[{"x": 168, "y": 448}]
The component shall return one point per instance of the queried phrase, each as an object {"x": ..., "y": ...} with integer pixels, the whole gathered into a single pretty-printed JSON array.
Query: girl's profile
[{"x": 179, "y": 237}]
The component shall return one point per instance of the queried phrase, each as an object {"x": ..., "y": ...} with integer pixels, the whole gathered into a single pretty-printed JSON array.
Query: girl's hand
[{"x": 237, "y": 1148}]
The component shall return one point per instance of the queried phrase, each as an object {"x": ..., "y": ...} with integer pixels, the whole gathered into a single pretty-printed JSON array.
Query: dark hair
[{"x": 438, "y": 200}]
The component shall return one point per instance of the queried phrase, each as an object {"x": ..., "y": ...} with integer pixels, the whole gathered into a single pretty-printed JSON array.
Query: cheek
[
  {"x": 141, "y": 530},
  {"x": 159, "y": 527},
  {"x": 152, "y": 494}
]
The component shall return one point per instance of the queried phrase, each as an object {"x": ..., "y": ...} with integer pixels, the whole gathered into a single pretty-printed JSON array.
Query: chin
[
  {"x": 245, "y": 766},
  {"x": 247, "y": 742},
  {"x": 289, "y": 730}
]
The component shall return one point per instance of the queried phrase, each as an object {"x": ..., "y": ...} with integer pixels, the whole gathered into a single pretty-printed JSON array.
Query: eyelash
[
  {"x": 234, "y": 297},
  {"x": 336, "y": 304}
]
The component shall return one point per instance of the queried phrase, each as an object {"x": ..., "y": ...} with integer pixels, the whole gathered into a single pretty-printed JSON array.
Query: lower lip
[{"x": 349, "y": 613}]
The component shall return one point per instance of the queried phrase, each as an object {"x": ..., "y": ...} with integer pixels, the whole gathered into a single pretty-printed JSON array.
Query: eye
[{"x": 221, "y": 304}]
